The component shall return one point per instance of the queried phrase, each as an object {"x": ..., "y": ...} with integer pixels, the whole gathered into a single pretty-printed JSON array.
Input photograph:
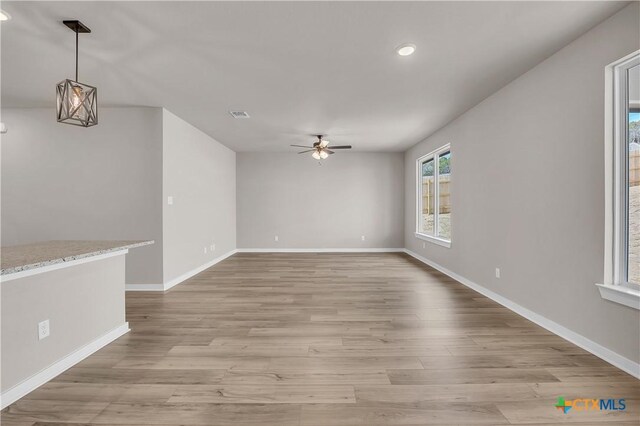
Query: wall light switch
[
  {"x": 43, "y": 329},
  {"x": 276, "y": 239},
  {"x": 212, "y": 247},
  {"x": 205, "y": 249},
  {"x": 170, "y": 200},
  {"x": 497, "y": 272},
  {"x": 362, "y": 238},
  {"x": 424, "y": 245}
]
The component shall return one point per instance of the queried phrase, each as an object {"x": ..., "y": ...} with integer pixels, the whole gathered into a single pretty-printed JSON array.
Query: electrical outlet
[
  {"x": 43, "y": 329},
  {"x": 276, "y": 238},
  {"x": 212, "y": 247},
  {"x": 205, "y": 249},
  {"x": 497, "y": 272},
  {"x": 362, "y": 238},
  {"x": 170, "y": 200}
]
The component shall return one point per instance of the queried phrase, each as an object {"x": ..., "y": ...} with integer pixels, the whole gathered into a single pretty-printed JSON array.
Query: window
[
  {"x": 632, "y": 202},
  {"x": 433, "y": 221},
  {"x": 622, "y": 161}
]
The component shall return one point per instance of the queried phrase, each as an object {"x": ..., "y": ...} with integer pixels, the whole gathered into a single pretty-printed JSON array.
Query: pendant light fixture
[{"x": 77, "y": 103}]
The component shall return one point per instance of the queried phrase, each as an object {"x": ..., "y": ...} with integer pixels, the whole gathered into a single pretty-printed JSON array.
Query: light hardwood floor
[{"x": 327, "y": 339}]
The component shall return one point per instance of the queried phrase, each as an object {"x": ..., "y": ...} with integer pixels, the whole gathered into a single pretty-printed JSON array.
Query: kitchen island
[{"x": 61, "y": 301}]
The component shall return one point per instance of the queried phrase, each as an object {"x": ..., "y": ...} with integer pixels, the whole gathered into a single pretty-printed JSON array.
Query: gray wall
[
  {"x": 528, "y": 189},
  {"x": 312, "y": 206},
  {"x": 82, "y": 303},
  {"x": 67, "y": 182},
  {"x": 200, "y": 174}
]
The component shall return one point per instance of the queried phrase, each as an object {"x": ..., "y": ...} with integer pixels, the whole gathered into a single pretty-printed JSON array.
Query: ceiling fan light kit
[
  {"x": 319, "y": 154},
  {"x": 320, "y": 149},
  {"x": 77, "y": 103}
]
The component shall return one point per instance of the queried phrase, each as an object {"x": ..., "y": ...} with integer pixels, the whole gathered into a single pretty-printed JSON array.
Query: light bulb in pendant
[
  {"x": 77, "y": 96},
  {"x": 316, "y": 155},
  {"x": 323, "y": 154}
]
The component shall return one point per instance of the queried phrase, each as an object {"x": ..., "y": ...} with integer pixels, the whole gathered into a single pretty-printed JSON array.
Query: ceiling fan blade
[
  {"x": 341, "y": 147},
  {"x": 329, "y": 151},
  {"x": 302, "y": 146},
  {"x": 303, "y": 152}
]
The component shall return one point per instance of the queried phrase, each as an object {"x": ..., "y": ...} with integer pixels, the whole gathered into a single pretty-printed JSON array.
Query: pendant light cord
[{"x": 76, "y": 52}]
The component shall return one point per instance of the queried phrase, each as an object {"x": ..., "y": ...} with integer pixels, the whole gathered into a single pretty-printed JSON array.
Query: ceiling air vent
[{"x": 239, "y": 114}]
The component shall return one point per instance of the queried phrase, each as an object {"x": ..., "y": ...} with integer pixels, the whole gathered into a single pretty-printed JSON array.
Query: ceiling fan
[{"x": 320, "y": 148}]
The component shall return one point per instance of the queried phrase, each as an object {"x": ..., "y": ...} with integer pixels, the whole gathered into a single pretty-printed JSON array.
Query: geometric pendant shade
[{"x": 77, "y": 103}]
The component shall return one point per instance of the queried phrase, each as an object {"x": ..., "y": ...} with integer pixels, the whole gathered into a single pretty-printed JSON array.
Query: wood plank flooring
[{"x": 327, "y": 339}]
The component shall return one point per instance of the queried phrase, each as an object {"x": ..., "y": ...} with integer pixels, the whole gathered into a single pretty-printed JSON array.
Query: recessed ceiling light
[
  {"x": 406, "y": 49},
  {"x": 4, "y": 16}
]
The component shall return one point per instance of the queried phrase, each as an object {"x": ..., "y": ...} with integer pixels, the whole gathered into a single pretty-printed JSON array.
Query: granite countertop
[{"x": 31, "y": 256}]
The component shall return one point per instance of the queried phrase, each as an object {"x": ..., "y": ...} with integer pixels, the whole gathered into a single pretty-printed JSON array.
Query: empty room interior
[{"x": 320, "y": 213}]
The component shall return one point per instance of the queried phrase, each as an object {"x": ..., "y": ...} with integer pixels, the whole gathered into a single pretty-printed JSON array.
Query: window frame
[
  {"x": 615, "y": 286},
  {"x": 433, "y": 238}
]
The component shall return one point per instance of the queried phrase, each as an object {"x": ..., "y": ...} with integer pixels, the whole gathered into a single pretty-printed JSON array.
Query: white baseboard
[
  {"x": 144, "y": 287},
  {"x": 320, "y": 250},
  {"x": 21, "y": 389},
  {"x": 191, "y": 273},
  {"x": 175, "y": 281},
  {"x": 596, "y": 349},
  {"x": 197, "y": 270}
]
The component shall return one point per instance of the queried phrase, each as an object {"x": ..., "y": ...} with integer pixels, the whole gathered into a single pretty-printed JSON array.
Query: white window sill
[
  {"x": 435, "y": 240},
  {"x": 620, "y": 294}
]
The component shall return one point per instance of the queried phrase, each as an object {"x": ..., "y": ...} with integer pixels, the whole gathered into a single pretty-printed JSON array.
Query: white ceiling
[{"x": 298, "y": 68}]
